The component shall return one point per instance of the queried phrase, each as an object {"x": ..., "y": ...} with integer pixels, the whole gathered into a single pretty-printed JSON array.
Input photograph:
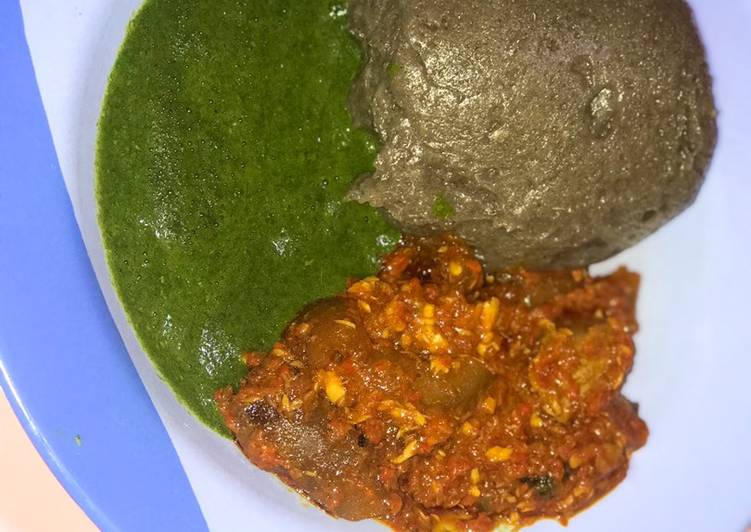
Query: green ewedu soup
[{"x": 225, "y": 151}]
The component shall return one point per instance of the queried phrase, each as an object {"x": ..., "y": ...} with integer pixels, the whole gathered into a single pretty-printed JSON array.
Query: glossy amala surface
[
  {"x": 436, "y": 397},
  {"x": 548, "y": 133}
]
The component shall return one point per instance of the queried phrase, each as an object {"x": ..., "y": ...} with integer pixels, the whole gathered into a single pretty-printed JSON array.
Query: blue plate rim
[{"x": 52, "y": 305}]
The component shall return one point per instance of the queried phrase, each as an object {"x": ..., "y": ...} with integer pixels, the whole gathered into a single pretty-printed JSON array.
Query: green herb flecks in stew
[{"x": 225, "y": 151}]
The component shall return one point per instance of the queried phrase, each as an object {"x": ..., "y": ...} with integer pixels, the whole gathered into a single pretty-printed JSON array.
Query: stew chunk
[{"x": 434, "y": 395}]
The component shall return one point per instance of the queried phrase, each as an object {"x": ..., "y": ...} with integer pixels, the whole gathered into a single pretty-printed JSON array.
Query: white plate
[{"x": 694, "y": 348}]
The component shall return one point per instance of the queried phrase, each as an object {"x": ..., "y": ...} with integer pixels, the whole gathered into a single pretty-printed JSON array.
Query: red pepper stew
[{"x": 436, "y": 397}]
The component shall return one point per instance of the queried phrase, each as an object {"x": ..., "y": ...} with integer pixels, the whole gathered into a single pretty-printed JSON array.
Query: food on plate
[
  {"x": 525, "y": 139},
  {"x": 436, "y": 397},
  {"x": 548, "y": 133}
]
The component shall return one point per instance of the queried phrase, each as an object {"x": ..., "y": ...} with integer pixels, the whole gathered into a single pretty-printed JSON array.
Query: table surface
[{"x": 26, "y": 480}]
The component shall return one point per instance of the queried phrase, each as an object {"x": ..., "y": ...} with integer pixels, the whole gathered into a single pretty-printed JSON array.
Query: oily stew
[{"x": 435, "y": 396}]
